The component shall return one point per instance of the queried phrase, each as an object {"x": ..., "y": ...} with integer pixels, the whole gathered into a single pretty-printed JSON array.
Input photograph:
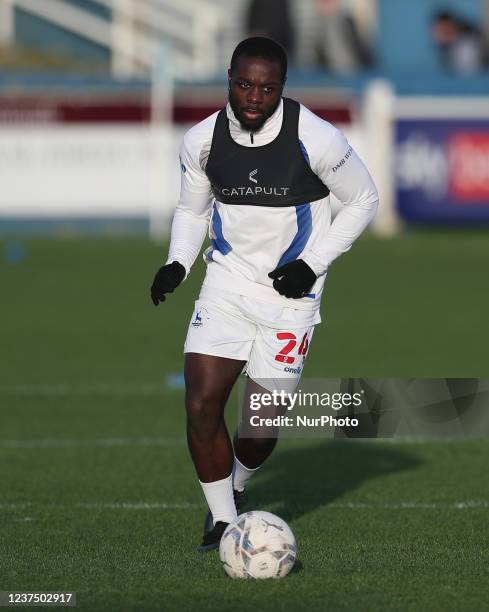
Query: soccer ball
[{"x": 257, "y": 545}]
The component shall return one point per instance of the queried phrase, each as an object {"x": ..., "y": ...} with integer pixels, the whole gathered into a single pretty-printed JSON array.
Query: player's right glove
[{"x": 166, "y": 280}]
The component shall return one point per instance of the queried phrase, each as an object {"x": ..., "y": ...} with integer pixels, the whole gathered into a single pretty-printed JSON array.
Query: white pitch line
[
  {"x": 416, "y": 505},
  {"x": 141, "y": 505},
  {"x": 100, "y": 442},
  {"x": 20, "y": 506},
  {"x": 106, "y": 506},
  {"x": 104, "y": 389},
  {"x": 178, "y": 440},
  {"x": 417, "y": 440}
]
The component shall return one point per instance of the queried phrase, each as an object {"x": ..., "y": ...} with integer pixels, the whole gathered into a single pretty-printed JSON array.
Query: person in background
[
  {"x": 338, "y": 46},
  {"x": 460, "y": 43},
  {"x": 272, "y": 18}
]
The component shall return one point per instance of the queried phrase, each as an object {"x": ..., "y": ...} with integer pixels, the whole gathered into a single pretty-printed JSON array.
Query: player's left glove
[
  {"x": 166, "y": 280},
  {"x": 294, "y": 279}
]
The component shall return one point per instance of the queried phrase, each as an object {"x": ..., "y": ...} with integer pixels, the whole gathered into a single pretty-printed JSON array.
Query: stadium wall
[
  {"x": 84, "y": 156},
  {"x": 96, "y": 154}
]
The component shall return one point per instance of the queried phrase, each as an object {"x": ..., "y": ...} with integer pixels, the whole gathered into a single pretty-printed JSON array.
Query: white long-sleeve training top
[{"x": 256, "y": 237}]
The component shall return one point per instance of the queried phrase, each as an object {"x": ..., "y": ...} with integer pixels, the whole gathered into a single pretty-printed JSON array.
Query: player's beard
[{"x": 255, "y": 126}]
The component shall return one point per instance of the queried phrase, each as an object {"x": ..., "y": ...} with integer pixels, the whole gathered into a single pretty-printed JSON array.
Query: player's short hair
[{"x": 259, "y": 46}]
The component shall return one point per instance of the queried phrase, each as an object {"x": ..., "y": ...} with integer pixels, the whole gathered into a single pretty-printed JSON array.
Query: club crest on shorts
[{"x": 199, "y": 317}]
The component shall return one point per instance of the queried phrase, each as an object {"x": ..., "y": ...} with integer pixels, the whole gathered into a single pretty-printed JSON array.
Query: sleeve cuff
[{"x": 313, "y": 261}]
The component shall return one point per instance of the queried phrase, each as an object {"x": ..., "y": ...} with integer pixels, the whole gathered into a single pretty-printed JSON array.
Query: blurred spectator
[
  {"x": 272, "y": 18},
  {"x": 338, "y": 45},
  {"x": 460, "y": 43}
]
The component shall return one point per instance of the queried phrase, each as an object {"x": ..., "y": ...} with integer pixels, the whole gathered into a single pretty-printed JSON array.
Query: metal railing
[{"x": 137, "y": 30}]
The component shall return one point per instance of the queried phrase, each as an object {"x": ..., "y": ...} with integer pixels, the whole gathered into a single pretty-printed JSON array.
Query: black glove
[
  {"x": 166, "y": 280},
  {"x": 294, "y": 279}
]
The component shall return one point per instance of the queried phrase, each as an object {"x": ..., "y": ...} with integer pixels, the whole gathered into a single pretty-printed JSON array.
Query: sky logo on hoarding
[
  {"x": 456, "y": 166},
  {"x": 422, "y": 164},
  {"x": 442, "y": 170},
  {"x": 468, "y": 157}
]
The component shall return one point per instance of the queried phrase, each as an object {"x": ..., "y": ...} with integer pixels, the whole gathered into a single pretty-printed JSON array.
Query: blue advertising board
[{"x": 442, "y": 170}]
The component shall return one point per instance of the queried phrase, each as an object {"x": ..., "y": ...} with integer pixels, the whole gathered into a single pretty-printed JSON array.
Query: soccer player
[{"x": 257, "y": 175}]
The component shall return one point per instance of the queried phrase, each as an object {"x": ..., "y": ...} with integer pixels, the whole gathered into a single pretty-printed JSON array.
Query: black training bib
[{"x": 275, "y": 174}]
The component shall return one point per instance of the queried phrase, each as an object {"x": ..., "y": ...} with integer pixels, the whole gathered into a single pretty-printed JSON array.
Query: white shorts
[{"x": 272, "y": 339}]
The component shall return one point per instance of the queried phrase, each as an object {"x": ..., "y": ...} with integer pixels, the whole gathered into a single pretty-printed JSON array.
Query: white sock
[
  {"x": 220, "y": 499},
  {"x": 241, "y": 474}
]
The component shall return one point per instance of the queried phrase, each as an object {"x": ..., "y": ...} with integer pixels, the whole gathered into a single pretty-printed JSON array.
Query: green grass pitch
[{"x": 98, "y": 494}]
